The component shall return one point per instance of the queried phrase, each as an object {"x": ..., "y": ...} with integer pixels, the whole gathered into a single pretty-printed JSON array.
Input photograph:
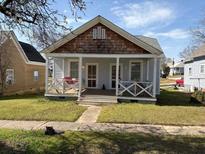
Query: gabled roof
[
  {"x": 142, "y": 42},
  {"x": 199, "y": 52},
  {"x": 31, "y": 53},
  {"x": 197, "y": 55},
  {"x": 149, "y": 40}
]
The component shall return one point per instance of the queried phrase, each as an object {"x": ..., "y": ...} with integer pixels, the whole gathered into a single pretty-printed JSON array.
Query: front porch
[{"x": 120, "y": 77}]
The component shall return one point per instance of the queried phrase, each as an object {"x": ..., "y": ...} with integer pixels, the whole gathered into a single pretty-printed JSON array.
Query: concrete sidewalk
[
  {"x": 90, "y": 115},
  {"x": 73, "y": 126}
]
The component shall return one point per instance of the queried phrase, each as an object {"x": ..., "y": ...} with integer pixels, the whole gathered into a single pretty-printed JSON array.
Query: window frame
[
  {"x": 74, "y": 61},
  {"x": 99, "y": 33},
  {"x": 200, "y": 69},
  {"x": 190, "y": 74},
  {"x": 36, "y": 78},
  {"x": 141, "y": 69},
  {"x": 13, "y": 81}
]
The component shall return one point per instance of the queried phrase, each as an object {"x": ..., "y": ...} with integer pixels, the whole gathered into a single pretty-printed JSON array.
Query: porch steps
[{"x": 97, "y": 99}]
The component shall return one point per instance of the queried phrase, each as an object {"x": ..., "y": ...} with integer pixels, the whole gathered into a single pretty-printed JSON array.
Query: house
[
  {"x": 99, "y": 58},
  {"x": 177, "y": 68},
  {"x": 194, "y": 70},
  {"x": 26, "y": 68}
]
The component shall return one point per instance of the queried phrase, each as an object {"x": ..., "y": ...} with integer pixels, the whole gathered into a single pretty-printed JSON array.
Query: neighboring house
[
  {"x": 100, "y": 58},
  {"x": 194, "y": 70},
  {"x": 26, "y": 69},
  {"x": 177, "y": 68}
]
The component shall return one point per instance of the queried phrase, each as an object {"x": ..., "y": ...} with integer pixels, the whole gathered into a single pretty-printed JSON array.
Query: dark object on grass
[
  {"x": 103, "y": 87},
  {"x": 51, "y": 131},
  {"x": 175, "y": 87}
]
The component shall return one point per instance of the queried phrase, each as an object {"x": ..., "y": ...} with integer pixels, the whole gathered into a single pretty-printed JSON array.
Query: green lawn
[
  {"x": 35, "y": 142},
  {"x": 38, "y": 108},
  {"x": 173, "y": 108}
]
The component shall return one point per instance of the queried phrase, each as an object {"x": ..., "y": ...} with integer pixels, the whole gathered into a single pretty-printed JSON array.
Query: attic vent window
[{"x": 99, "y": 33}]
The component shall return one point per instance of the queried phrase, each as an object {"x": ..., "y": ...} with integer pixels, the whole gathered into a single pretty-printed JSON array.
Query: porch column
[
  {"x": 147, "y": 70},
  {"x": 79, "y": 77},
  {"x": 46, "y": 77},
  {"x": 63, "y": 75},
  {"x": 155, "y": 77},
  {"x": 117, "y": 75}
]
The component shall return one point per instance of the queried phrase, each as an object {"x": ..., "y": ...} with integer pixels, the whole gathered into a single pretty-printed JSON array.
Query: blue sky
[{"x": 170, "y": 21}]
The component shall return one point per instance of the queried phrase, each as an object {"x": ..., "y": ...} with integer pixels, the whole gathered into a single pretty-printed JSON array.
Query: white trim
[
  {"x": 80, "y": 76},
  {"x": 36, "y": 63},
  {"x": 117, "y": 75},
  {"x": 138, "y": 98},
  {"x": 141, "y": 69},
  {"x": 155, "y": 77},
  {"x": 111, "y": 26},
  {"x": 147, "y": 70},
  {"x": 63, "y": 69},
  {"x": 110, "y": 73},
  {"x": 102, "y": 55},
  {"x": 86, "y": 76},
  {"x": 59, "y": 95},
  {"x": 46, "y": 74}
]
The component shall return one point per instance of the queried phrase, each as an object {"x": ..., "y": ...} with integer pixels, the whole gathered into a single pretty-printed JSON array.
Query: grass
[
  {"x": 173, "y": 108},
  {"x": 38, "y": 108},
  {"x": 167, "y": 81},
  {"x": 35, "y": 142}
]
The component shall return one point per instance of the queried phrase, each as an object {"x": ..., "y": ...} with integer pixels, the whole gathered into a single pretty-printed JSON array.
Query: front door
[
  {"x": 92, "y": 75},
  {"x": 113, "y": 75}
]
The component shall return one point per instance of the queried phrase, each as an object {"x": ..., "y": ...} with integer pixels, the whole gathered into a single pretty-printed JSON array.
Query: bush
[{"x": 198, "y": 96}]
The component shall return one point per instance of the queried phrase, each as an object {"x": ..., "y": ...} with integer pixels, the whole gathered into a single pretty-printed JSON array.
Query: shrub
[{"x": 198, "y": 96}]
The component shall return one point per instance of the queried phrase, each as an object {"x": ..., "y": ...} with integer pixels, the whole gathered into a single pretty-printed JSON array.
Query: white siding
[{"x": 196, "y": 79}]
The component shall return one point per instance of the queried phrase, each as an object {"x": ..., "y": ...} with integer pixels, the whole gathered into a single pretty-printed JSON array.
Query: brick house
[
  {"x": 101, "y": 60},
  {"x": 26, "y": 69}
]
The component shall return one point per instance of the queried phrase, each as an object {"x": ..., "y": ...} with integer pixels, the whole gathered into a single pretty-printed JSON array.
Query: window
[
  {"x": 10, "y": 76},
  {"x": 36, "y": 75},
  {"x": 202, "y": 68},
  {"x": 135, "y": 71},
  {"x": 190, "y": 71},
  {"x": 99, "y": 33},
  {"x": 74, "y": 69}
]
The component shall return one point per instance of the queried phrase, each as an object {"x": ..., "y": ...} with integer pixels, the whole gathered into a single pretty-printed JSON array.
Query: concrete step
[{"x": 98, "y": 99}]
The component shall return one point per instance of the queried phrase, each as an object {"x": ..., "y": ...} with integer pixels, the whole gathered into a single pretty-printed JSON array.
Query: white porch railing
[
  {"x": 135, "y": 89},
  {"x": 62, "y": 86}
]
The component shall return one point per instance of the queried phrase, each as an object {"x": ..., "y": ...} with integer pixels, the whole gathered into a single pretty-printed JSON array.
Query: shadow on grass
[
  {"x": 116, "y": 143},
  {"x": 175, "y": 98},
  {"x": 5, "y": 148},
  {"x": 26, "y": 96}
]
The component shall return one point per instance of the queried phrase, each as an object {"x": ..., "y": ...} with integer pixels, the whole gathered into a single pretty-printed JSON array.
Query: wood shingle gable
[
  {"x": 108, "y": 43},
  {"x": 129, "y": 42}
]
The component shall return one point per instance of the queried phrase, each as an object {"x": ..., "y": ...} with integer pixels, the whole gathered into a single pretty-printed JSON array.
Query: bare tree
[
  {"x": 187, "y": 52},
  {"x": 198, "y": 33},
  {"x": 5, "y": 61},
  {"x": 38, "y": 18}
]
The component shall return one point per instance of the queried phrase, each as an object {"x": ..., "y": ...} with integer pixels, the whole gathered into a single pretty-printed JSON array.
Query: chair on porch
[{"x": 71, "y": 83}]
